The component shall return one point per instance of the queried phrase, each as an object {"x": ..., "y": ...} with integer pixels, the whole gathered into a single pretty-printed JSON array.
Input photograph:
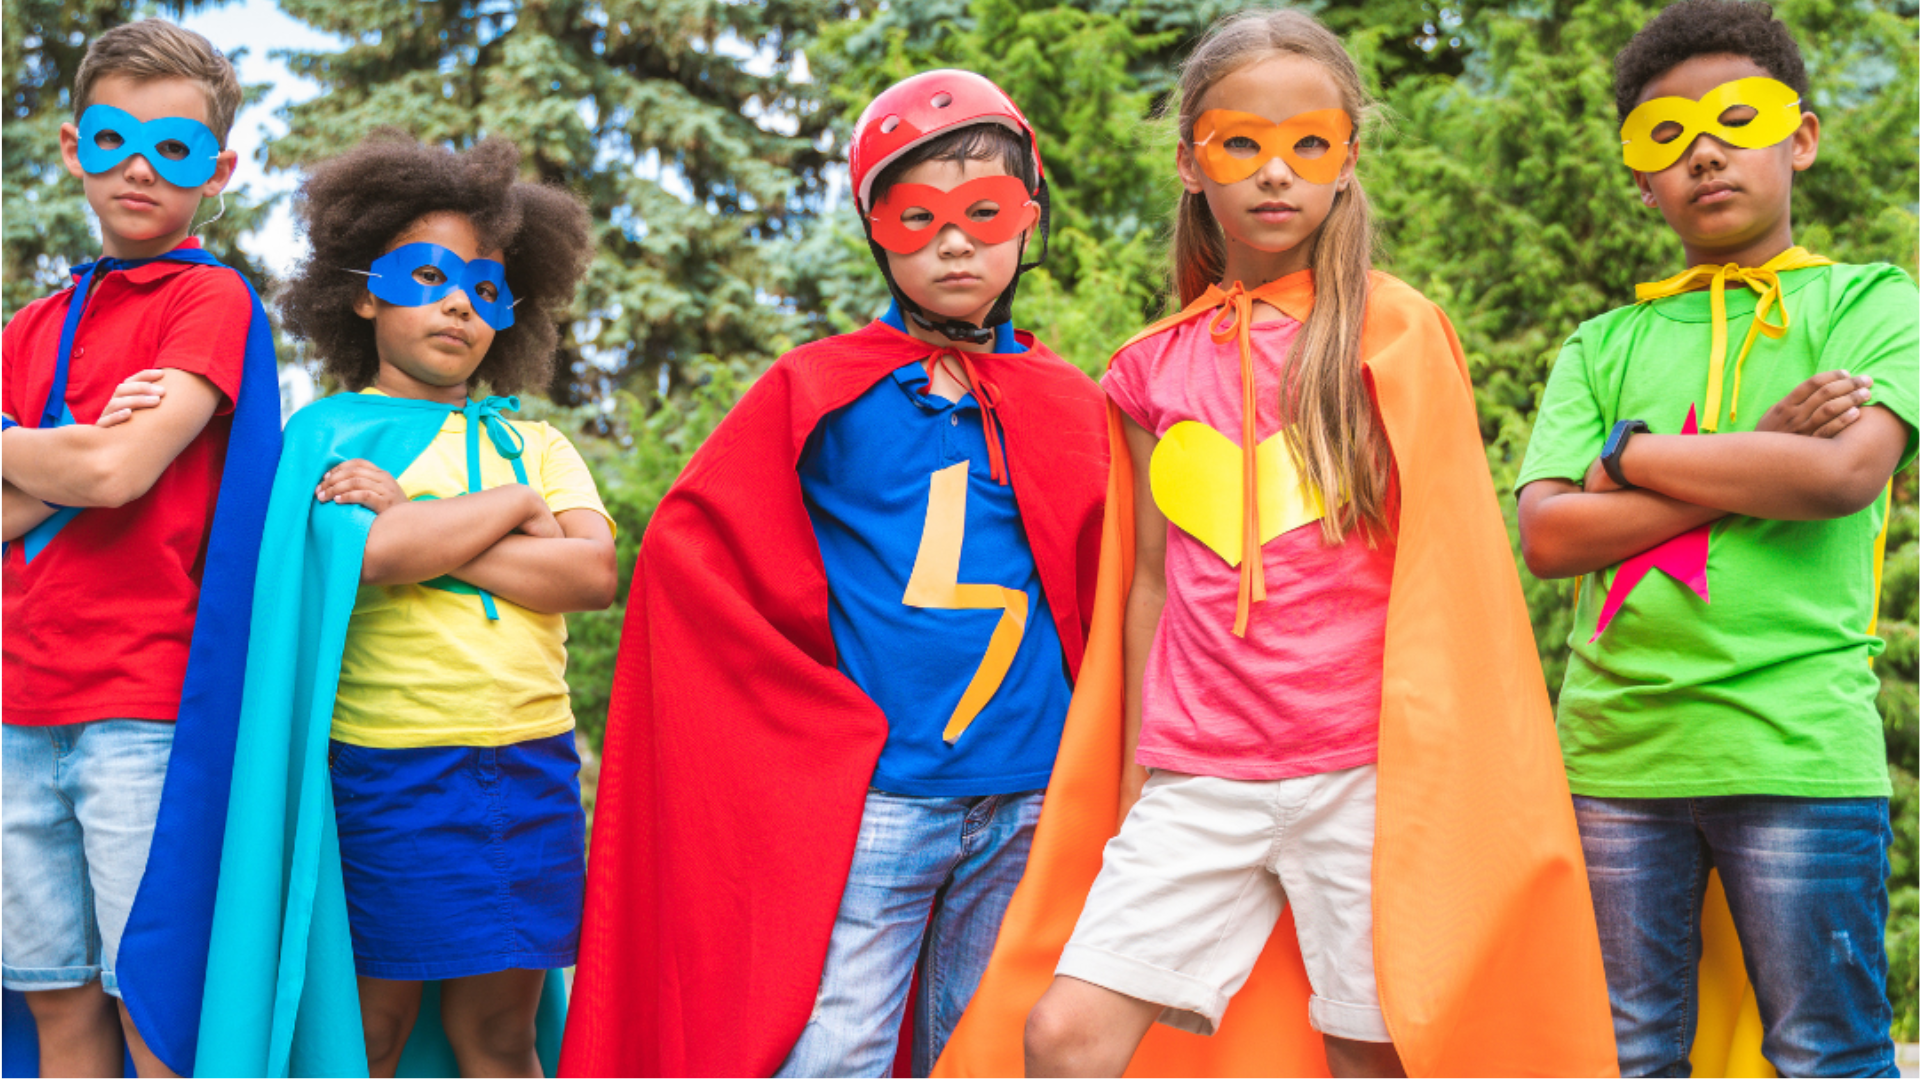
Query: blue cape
[
  {"x": 281, "y": 997},
  {"x": 161, "y": 964}
]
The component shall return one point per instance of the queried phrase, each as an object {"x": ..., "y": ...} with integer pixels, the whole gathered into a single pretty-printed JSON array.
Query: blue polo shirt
[{"x": 866, "y": 473}]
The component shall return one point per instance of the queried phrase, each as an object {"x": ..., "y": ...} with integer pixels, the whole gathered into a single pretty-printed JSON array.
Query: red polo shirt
[{"x": 97, "y": 627}]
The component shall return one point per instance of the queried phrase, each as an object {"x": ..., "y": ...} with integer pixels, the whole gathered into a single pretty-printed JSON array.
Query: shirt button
[
  {"x": 81, "y": 351},
  {"x": 954, "y": 420}
]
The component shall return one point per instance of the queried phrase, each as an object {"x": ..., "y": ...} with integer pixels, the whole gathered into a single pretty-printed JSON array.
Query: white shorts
[{"x": 1190, "y": 889}]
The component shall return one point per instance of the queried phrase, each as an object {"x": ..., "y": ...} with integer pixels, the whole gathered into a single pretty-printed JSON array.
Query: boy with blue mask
[
  {"x": 141, "y": 425},
  {"x": 849, "y": 649},
  {"x": 1718, "y": 717}
]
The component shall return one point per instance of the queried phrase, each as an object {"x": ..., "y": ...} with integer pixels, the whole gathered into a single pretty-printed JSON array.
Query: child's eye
[
  {"x": 429, "y": 275},
  {"x": 1241, "y": 146},
  {"x": 487, "y": 291},
  {"x": 108, "y": 139},
  {"x": 1738, "y": 116},
  {"x": 172, "y": 150},
  {"x": 917, "y": 218},
  {"x": 1311, "y": 147},
  {"x": 984, "y": 210},
  {"x": 1667, "y": 132}
]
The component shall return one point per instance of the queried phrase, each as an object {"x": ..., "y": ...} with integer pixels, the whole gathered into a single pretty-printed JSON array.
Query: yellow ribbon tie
[{"x": 1764, "y": 280}]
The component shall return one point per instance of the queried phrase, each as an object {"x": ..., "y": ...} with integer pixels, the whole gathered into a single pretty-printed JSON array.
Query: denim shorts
[
  {"x": 461, "y": 860},
  {"x": 78, "y": 804}
]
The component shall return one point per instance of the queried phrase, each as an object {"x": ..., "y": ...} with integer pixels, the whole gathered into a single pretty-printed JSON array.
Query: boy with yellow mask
[{"x": 1719, "y": 716}]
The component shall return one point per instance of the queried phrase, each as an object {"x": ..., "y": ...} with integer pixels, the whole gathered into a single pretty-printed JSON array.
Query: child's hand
[
  {"x": 362, "y": 483},
  {"x": 142, "y": 390},
  {"x": 1598, "y": 479},
  {"x": 1822, "y": 407},
  {"x": 540, "y": 521}
]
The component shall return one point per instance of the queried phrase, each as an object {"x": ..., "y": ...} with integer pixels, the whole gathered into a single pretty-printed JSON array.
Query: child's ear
[
  {"x": 1346, "y": 171},
  {"x": 70, "y": 150},
  {"x": 223, "y": 167},
  {"x": 364, "y": 306},
  {"x": 1646, "y": 190},
  {"x": 1806, "y": 142},
  {"x": 1189, "y": 168}
]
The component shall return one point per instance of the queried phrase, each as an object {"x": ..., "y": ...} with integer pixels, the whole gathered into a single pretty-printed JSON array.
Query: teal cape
[{"x": 281, "y": 997}]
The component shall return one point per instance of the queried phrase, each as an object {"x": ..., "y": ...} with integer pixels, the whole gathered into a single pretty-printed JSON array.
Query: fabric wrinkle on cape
[
  {"x": 737, "y": 755},
  {"x": 281, "y": 995},
  {"x": 162, "y": 961},
  {"x": 1487, "y": 953}
]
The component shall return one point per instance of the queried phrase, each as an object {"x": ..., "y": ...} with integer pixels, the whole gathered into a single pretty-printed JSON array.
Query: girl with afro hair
[{"x": 451, "y": 757}]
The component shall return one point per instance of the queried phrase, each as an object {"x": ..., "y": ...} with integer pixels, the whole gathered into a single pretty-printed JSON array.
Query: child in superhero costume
[
  {"x": 403, "y": 873},
  {"x": 1718, "y": 719},
  {"x": 849, "y": 648},
  {"x": 1355, "y": 852},
  {"x": 136, "y": 482}
]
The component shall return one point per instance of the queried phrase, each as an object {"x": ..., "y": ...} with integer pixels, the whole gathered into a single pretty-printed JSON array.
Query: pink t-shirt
[{"x": 1300, "y": 694}]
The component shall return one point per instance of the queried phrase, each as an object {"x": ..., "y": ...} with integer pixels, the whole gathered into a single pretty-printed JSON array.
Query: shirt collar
[{"x": 161, "y": 268}]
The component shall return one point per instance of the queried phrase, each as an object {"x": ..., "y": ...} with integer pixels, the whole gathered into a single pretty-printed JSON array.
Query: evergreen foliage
[{"x": 706, "y": 137}]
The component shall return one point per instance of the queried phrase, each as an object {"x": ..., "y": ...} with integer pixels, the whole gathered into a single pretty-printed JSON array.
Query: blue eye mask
[
  {"x": 182, "y": 150},
  {"x": 396, "y": 278}
]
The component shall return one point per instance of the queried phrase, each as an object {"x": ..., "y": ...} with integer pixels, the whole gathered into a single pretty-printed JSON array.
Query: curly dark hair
[
  {"x": 352, "y": 207},
  {"x": 1704, "y": 28}
]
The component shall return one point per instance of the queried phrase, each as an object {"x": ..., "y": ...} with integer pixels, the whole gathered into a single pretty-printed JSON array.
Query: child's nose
[
  {"x": 138, "y": 170},
  {"x": 953, "y": 238},
  {"x": 1274, "y": 172}
]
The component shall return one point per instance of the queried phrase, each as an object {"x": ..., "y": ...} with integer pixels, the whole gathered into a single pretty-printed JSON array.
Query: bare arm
[
  {"x": 21, "y": 512},
  {"x": 1567, "y": 529},
  {"x": 1146, "y": 599},
  {"x": 1773, "y": 475},
  {"x": 571, "y": 572},
  {"x": 411, "y": 542},
  {"x": 110, "y": 465}
]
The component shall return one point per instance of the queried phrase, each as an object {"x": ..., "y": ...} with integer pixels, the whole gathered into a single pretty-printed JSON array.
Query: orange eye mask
[
  {"x": 991, "y": 209},
  {"x": 1232, "y": 146}
]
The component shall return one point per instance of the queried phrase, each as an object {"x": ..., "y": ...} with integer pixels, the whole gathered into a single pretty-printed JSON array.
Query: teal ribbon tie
[{"x": 508, "y": 442}]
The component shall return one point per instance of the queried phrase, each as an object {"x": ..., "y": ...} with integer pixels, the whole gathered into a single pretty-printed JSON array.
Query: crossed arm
[
  {"x": 503, "y": 540},
  {"x": 150, "y": 419},
  {"x": 1820, "y": 453}
]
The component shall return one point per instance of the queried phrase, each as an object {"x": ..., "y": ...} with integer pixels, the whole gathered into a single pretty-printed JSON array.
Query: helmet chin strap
[{"x": 954, "y": 329}]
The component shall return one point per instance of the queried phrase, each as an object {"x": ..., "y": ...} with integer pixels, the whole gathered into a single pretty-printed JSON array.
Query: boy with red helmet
[{"x": 850, "y": 644}]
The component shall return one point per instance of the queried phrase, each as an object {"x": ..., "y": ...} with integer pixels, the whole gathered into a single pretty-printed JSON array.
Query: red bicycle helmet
[{"x": 922, "y": 107}]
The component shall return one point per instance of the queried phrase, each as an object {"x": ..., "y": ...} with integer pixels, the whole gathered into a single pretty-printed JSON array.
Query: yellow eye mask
[
  {"x": 1232, "y": 146},
  {"x": 1749, "y": 113}
]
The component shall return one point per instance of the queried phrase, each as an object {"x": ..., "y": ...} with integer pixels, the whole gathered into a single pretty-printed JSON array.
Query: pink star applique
[{"x": 1683, "y": 557}]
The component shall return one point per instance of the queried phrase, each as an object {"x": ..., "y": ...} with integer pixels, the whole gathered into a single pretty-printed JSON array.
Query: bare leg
[
  {"x": 1348, "y": 1057},
  {"x": 145, "y": 1061},
  {"x": 489, "y": 1021},
  {"x": 388, "y": 1008},
  {"x": 79, "y": 1034},
  {"x": 1079, "y": 1029}
]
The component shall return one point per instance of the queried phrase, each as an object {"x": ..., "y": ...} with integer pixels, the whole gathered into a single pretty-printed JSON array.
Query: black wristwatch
[{"x": 1615, "y": 445}]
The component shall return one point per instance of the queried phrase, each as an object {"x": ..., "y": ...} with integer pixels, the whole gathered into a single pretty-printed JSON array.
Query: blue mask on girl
[
  {"x": 182, "y": 150},
  {"x": 415, "y": 275}
]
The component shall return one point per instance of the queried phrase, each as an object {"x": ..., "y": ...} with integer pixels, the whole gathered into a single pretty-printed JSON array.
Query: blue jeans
[
  {"x": 930, "y": 881},
  {"x": 1806, "y": 881},
  {"x": 78, "y": 804}
]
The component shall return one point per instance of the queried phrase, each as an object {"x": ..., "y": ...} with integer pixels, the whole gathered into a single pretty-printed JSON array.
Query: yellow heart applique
[{"x": 1196, "y": 477}]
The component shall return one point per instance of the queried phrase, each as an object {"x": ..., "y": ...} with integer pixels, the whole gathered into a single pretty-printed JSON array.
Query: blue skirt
[{"x": 461, "y": 860}]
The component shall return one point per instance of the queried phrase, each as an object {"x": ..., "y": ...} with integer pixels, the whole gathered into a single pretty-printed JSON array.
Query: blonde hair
[
  {"x": 157, "y": 49},
  {"x": 1331, "y": 428}
]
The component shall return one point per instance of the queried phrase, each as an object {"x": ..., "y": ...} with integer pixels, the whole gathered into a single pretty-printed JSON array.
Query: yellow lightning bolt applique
[{"x": 935, "y": 584}]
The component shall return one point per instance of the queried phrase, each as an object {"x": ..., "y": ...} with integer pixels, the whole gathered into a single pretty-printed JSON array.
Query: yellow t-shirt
[{"x": 426, "y": 667}]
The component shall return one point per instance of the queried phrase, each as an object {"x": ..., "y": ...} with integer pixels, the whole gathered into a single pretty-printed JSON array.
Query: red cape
[{"x": 737, "y": 755}]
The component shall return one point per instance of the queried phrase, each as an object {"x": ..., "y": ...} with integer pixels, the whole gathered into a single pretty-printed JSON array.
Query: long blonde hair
[{"x": 1331, "y": 429}]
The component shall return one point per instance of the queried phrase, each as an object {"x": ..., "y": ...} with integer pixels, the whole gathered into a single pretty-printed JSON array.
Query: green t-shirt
[{"x": 1768, "y": 689}]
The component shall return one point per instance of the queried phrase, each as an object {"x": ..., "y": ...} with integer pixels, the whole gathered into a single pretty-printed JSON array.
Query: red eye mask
[{"x": 991, "y": 209}]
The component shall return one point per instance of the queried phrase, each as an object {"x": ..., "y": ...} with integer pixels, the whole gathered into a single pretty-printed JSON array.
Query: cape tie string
[
  {"x": 986, "y": 394},
  {"x": 506, "y": 439},
  {"x": 1232, "y": 320},
  {"x": 1764, "y": 280}
]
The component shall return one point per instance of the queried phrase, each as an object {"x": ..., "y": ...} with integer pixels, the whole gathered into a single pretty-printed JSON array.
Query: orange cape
[{"x": 1486, "y": 953}]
